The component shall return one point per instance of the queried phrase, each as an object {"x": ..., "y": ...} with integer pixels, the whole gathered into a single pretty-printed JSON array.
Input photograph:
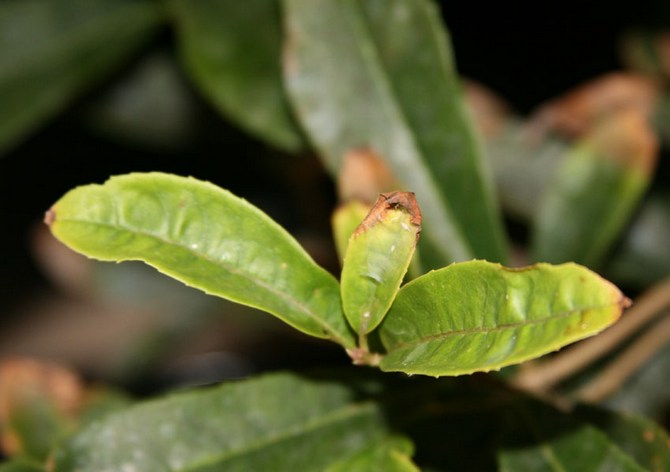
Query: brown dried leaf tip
[
  {"x": 405, "y": 201},
  {"x": 50, "y": 217}
]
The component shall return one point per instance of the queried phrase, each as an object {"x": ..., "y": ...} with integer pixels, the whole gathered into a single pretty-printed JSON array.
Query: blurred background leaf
[{"x": 52, "y": 51}]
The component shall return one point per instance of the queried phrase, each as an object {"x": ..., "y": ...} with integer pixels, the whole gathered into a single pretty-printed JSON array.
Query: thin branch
[
  {"x": 619, "y": 370},
  {"x": 542, "y": 376}
]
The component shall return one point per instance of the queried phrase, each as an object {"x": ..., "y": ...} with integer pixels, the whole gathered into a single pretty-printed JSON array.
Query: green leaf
[
  {"x": 232, "y": 51},
  {"x": 377, "y": 258},
  {"x": 478, "y": 316},
  {"x": 53, "y": 50},
  {"x": 594, "y": 192},
  {"x": 540, "y": 438},
  {"x": 207, "y": 238},
  {"x": 378, "y": 74},
  {"x": 22, "y": 465},
  {"x": 274, "y": 422},
  {"x": 637, "y": 436},
  {"x": 390, "y": 455},
  {"x": 344, "y": 221}
]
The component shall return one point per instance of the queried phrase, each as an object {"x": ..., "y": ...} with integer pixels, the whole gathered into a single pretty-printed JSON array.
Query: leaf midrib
[
  {"x": 503, "y": 327},
  {"x": 341, "y": 415}
]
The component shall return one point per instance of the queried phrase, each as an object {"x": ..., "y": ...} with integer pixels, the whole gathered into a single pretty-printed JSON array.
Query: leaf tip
[
  {"x": 50, "y": 216},
  {"x": 404, "y": 201}
]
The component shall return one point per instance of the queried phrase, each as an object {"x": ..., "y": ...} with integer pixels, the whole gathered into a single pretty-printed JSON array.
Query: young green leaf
[
  {"x": 207, "y": 238},
  {"x": 53, "y": 50},
  {"x": 377, "y": 258},
  {"x": 478, "y": 316},
  {"x": 378, "y": 74},
  {"x": 345, "y": 220},
  {"x": 232, "y": 51},
  {"x": 274, "y": 422}
]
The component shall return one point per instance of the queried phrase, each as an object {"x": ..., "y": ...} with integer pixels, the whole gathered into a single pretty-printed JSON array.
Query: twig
[
  {"x": 542, "y": 376},
  {"x": 619, "y": 370}
]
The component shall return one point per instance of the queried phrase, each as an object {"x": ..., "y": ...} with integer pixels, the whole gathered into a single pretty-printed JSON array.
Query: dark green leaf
[
  {"x": 232, "y": 50},
  {"x": 539, "y": 438},
  {"x": 637, "y": 436},
  {"x": 52, "y": 50},
  {"x": 22, "y": 465},
  {"x": 275, "y": 422},
  {"x": 378, "y": 74},
  {"x": 207, "y": 238},
  {"x": 479, "y": 316}
]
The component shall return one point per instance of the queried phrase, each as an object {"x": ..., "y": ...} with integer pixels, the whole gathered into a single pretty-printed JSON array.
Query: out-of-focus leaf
[
  {"x": 150, "y": 105},
  {"x": 642, "y": 257},
  {"x": 207, "y": 238},
  {"x": 275, "y": 422},
  {"x": 52, "y": 50},
  {"x": 345, "y": 220},
  {"x": 595, "y": 191},
  {"x": 539, "y": 438},
  {"x": 637, "y": 436},
  {"x": 377, "y": 259},
  {"x": 479, "y": 316},
  {"x": 379, "y": 75},
  {"x": 22, "y": 465},
  {"x": 391, "y": 455},
  {"x": 232, "y": 51},
  {"x": 38, "y": 402}
]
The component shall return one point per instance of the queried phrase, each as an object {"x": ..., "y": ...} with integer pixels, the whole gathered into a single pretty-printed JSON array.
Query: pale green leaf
[
  {"x": 53, "y": 50},
  {"x": 377, "y": 258},
  {"x": 274, "y": 422},
  {"x": 344, "y": 221},
  {"x": 207, "y": 238},
  {"x": 478, "y": 316},
  {"x": 233, "y": 51},
  {"x": 378, "y": 74}
]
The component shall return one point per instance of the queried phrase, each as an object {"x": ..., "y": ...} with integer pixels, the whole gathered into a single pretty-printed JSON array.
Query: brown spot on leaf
[
  {"x": 405, "y": 201},
  {"x": 50, "y": 216}
]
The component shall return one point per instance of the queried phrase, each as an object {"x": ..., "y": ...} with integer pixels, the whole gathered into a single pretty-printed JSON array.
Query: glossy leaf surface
[
  {"x": 539, "y": 438},
  {"x": 275, "y": 422},
  {"x": 378, "y": 74},
  {"x": 478, "y": 316},
  {"x": 207, "y": 238},
  {"x": 377, "y": 258},
  {"x": 53, "y": 50},
  {"x": 232, "y": 51}
]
